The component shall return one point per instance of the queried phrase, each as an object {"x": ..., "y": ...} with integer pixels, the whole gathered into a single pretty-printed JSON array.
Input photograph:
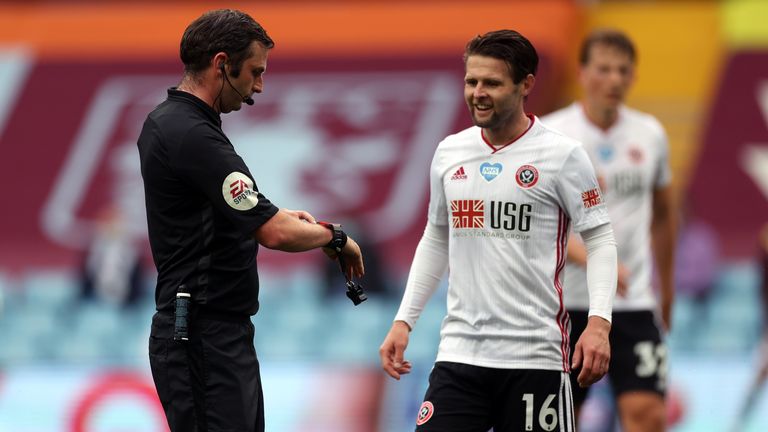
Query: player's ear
[
  {"x": 528, "y": 83},
  {"x": 632, "y": 75}
]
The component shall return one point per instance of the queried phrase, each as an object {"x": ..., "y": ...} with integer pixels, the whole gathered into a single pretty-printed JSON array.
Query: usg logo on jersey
[
  {"x": 238, "y": 192},
  {"x": 425, "y": 413},
  {"x": 468, "y": 213},
  {"x": 490, "y": 171},
  {"x": 527, "y": 176}
]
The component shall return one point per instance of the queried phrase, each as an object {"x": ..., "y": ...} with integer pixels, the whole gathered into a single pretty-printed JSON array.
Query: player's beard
[
  {"x": 497, "y": 120},
  {"x": 503, "y": 111},
  {"x": 486, "y": 122}
]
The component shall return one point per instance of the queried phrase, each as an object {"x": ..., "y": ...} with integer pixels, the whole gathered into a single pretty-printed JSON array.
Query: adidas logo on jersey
[{"x": 459, "y": 174}]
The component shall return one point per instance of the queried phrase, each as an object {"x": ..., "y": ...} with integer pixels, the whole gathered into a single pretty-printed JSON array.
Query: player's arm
[
  {"x": 297, "y": 231},
  {"x": 429, "y": 265},
  {"x": 592, "y": 352},
  {"x": 663, "y": 240},
  {"x": 577, "y": 254}
]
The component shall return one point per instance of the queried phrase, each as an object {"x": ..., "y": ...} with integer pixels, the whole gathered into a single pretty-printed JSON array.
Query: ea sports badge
[
  {"x": 238, "y": 192},
  {"x": 527, "y": 176},
  {"x": 425, "y": 413}
]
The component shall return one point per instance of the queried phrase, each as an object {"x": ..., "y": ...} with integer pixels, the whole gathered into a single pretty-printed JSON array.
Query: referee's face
[
  {"x": 607, "y": 76},
  {"x": 250, "y": 80},
  {"x": 493, "y": 99}
]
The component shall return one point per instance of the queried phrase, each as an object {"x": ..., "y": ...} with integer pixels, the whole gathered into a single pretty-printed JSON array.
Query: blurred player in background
[
  {"x": 630, "y": 153},
  {"x": 503, "y": 195},
  {"x": 206, "y": 220},
  {"x": 758, "y": 382},
  {"x": 111, "y": 271}
]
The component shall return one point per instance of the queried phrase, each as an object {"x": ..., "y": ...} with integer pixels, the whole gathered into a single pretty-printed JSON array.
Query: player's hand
[
  {"x": 393, "y": 348},
  {"x": 593, "y": 352},
  {"x": 301, "y": 215},
  {"x": 622, "y": 282}
]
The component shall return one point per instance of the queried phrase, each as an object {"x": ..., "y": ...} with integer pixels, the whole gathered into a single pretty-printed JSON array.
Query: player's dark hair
[
  {"x": 609, "y": 37},
  {"x": 507, "y": 45},
  {"x": 223, "y": 30}
]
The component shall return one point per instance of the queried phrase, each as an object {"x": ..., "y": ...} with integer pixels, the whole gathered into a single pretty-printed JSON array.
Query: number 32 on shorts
[{"x": 652, "y": 360}]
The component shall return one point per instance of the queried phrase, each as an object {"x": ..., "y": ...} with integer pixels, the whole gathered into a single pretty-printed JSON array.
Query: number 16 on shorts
[{"x": 547, "y": 416}]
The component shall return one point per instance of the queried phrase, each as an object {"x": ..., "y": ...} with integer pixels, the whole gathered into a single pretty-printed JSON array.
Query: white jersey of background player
[
  {"x": 630, "y": 153},
  {"x": 631, "y": 160}
]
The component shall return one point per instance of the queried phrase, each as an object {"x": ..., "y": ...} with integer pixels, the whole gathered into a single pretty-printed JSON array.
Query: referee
[{"x": 206, "y": 220}]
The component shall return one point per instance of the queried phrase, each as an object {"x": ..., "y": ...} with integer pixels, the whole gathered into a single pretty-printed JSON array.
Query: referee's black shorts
[{"x": 210, "y": 383}]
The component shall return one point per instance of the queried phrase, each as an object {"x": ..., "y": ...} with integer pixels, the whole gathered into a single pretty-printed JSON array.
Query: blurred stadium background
[{"x": 357, "y": 96}]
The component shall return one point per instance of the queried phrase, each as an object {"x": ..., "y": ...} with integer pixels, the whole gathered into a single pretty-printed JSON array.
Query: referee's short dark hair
[
  {"x": 507, "y": 45},
  {"x": 609, "y": 37},
  {"x": 223, "y": 30}
]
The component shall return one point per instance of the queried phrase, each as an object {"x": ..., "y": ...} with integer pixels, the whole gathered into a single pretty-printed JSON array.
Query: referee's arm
[{"x": 295, "y": 231}]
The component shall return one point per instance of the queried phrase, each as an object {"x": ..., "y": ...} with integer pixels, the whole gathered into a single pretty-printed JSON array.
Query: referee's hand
[
  {"x": 593, "y": 351},
  {"x": 393, "y": 348},
  {"x": 301, "y": 215},
  {"x": 353, "y": 259}
]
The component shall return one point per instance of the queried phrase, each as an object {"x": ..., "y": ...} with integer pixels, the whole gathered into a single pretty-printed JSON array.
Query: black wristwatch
[{"x": 339, "y": 239}]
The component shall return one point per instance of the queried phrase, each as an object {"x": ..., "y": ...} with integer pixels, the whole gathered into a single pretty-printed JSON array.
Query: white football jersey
[
  {"x": 508, "y": 213},
  {"x": 631, "y": 160}
]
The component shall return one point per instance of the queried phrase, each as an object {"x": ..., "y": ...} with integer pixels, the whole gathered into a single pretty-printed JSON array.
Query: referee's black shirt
[{"x": 202, "y": 208}]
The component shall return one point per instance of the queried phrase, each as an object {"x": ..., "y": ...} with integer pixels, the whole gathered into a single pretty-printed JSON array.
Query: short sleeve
[
  {"x": 209, "y": 163},
  {"x": 438, "y": 211},
  {"x": 663, "y": 173},
  {"x": 579, "y": 192}
]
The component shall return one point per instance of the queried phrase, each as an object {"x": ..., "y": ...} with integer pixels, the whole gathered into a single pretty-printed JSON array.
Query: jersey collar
[
  {"x": 583, "y": 113},
  {"x": 176, "y": 94},
  {"x": 531, "y": 117}
]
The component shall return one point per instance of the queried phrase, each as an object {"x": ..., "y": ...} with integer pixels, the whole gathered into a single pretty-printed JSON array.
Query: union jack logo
[
  {"x": 468, "y": 213},
  {"x": 591, "y": 198}
]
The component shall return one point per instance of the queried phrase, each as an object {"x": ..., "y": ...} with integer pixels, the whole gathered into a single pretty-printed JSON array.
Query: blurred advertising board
[{"x": 298, "y": 398}]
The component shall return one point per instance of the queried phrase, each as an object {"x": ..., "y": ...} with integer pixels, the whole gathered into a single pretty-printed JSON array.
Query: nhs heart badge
[
  {"x": 605, "y": 152},
  {"x": 490, "y": 171}
]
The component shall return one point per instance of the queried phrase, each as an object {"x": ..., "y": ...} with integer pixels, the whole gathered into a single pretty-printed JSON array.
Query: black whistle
[
  {"x": 355, "y": 293},
  {"x": 181, "y": 324}
]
